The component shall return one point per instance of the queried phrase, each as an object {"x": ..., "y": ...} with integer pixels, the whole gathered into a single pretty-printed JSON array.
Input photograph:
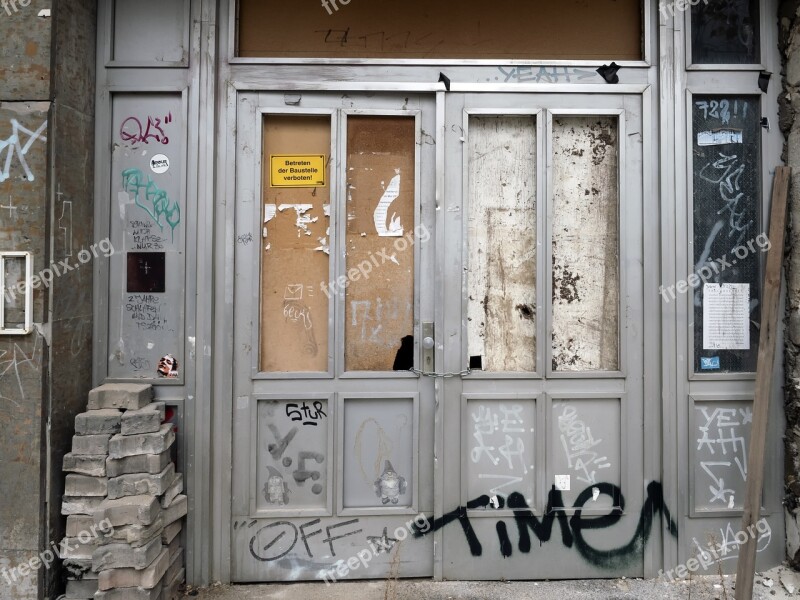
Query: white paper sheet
[
  {"x": 390, "y": 194},
  {"x": 726, "y": 316}
]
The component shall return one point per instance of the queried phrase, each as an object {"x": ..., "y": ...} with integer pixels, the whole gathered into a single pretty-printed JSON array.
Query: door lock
[{"x": 428, "y": 348}]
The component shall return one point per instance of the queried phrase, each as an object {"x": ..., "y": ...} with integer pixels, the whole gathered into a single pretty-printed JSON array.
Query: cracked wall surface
[{"x": 789, "y": 103}]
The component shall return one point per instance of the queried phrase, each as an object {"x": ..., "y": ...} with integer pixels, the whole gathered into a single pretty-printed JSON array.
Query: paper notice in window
[{"x": 726, "y": 316}]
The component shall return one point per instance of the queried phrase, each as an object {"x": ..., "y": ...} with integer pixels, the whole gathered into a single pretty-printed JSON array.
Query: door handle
[{"x": 428, "y": 348}]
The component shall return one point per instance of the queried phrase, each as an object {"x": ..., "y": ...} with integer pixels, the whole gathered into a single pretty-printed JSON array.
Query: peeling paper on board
[
  {"x": 390, "y": 194},
  {"x": 323, "y": 243},
  {"x": 270, "y": 210},
  {"x": 303, "y": 220}
]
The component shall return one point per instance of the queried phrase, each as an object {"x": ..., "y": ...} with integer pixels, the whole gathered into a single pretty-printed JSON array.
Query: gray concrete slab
[{"x": 770, "y": 585}]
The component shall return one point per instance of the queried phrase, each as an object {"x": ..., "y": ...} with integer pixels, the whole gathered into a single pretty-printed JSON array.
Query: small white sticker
[
  {"x": 562, "y": 483},
  {"x": 595, "y": 494},
  {"x": 494, "y": 502},
  {"x": 159, "y": 164}
]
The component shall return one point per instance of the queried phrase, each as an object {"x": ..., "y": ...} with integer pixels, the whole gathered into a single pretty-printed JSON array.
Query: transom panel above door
[{"x": 333, "y": 430}]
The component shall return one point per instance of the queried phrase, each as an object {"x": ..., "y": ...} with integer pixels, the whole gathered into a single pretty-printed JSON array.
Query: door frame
[{"x": 247, "y": 79}]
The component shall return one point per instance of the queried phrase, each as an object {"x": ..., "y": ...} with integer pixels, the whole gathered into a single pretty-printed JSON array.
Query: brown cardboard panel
[
  {"x": 380, "y": 296},
  {"x": 294, "y": 308},
  {"x": 504, "y": 29}
]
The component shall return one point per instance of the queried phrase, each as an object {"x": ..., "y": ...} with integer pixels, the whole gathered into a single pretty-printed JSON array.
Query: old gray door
[
  {"x": 543, "y": 471},
  {"x": 332, "y": 432}
]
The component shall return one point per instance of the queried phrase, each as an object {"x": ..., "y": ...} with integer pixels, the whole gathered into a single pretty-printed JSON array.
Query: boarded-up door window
[
  {"x": 379, "y": 296},
  {"x": 295, "y": 247},
  {"x": 585, "y": 244},
  {"x": 502, "y": 243}
]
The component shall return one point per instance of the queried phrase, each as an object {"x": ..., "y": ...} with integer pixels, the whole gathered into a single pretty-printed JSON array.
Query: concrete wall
[{"x": 46, "y": 207}]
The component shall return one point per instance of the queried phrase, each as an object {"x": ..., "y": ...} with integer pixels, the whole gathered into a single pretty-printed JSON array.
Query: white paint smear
[
  {"x": 123, "y": 199},
  {"x": 390, "y": 194},
  {"x": 718, "y": 137},
  {"x": 726, "y": 316}
]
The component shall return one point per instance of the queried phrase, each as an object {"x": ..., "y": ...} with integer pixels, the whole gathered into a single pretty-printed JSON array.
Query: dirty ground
[{"x": 775, "y": 584}]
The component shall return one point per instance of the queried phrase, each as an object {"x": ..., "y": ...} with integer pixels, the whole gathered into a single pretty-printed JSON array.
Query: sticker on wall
[
  {"x": 168, "y": 367},
  {"x": 709, "y": 363},
  {"x": 302, "y": 170},
  {"x": 562, "y": 483},
  {"x": 390, "y": 486},
  {"x": 275, "y": 490},
  {"x": 719, "y": 137},
  {"x": 159, "y": 164}
]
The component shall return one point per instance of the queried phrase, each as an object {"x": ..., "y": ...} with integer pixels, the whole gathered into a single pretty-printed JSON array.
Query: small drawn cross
[{"x": 10, "y": 205}]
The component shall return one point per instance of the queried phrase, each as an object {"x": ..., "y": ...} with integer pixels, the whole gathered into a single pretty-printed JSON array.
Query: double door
[{"x": 438, "y": 337}]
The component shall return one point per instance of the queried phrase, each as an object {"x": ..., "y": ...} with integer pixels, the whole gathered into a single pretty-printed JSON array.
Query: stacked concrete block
[{"x": 123, "y": 500}]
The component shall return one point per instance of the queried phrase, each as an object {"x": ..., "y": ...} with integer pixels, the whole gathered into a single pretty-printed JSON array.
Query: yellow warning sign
[{"x": 304, "y": 170}]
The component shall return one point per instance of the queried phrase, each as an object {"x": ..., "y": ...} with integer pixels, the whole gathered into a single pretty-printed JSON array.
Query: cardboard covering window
[
  {"x": 381, "y": 185},
  {"x": 295, "y": 252}
]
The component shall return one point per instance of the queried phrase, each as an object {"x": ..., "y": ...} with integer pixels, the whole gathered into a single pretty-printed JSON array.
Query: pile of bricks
[{"x": 123, "y": 500}]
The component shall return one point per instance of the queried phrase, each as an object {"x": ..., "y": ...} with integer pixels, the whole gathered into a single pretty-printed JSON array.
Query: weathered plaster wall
[
  {"x": 24, "y": 102},
  {"x": 46, "y": 207},
  {"x": 789, "y": 25},
  {"x": 72, "y": 230}
]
